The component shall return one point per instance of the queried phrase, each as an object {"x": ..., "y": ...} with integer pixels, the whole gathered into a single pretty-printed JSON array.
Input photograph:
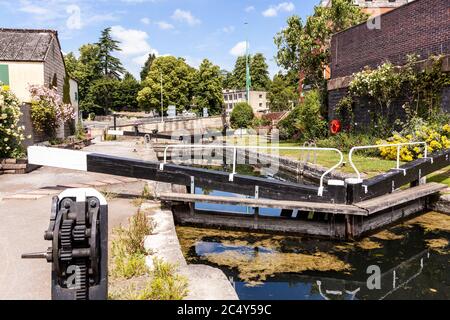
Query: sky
[{"x": 192, "y": 29}]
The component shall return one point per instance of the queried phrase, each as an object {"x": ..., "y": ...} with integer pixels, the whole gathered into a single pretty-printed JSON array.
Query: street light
[{"x": 162, "y": 104}]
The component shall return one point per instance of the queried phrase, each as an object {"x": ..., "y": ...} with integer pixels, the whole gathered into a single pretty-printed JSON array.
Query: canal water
[{"x": 408, "y": 261}]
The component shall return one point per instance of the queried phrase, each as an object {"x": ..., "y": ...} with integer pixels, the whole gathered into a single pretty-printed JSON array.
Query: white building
[
  {"x": 33, "y": 57},
  {"x": 258, "y": 100}
]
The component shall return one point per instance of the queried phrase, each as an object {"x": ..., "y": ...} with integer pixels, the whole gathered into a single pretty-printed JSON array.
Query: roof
[
  {"x": 25, "y": 44},
  {"x": 275, "y": 116}
]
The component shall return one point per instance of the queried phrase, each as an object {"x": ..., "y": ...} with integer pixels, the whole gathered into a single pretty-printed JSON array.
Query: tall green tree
[
  {"x": 148, "y": 64},
  {"x": 226, "y": 77},
  {"x": 207, "y": 88},
  {"x": 101, "y": 95},
  {"x": 177, "y": 78},
  {"x": 238, "y": 78},
  {"x": 111, "y": 66},
  {"x": 126, "y": 93},
  {"x": 86, "y": 70},
  {"x": 259, "y": 72},
  {"x": 304, "y": 47},
  {"x": 282, "y": 94}
]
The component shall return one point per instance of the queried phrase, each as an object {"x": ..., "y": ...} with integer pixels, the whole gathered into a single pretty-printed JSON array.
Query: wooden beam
[
  {"x": 400, "y": 197},
  {"x": 265, "y": 203}
]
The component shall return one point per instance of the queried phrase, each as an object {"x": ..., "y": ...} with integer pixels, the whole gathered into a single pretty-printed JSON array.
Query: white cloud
[
  {"x": 145, "y": 20},
  {"x": 228, "y": 29},
  {"x": 164, "y": 25},
  {"x": 273, "y": 11},
  {"x": 33, "y": 9},
  {"x": 239, "y": 49},
  {"x": 74, "y": 20},
  {"x": 185, "y": 16},
  {"x": 250, "y": 9},
  {"x": 133, "y": 42}
]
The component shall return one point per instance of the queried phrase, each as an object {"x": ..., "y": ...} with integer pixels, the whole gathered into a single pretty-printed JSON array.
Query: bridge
[{"x": 336, "y": 209}]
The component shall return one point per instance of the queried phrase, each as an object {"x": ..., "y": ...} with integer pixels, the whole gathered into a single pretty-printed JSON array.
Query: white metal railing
[
  {"x": 235, "y": 148},
  {"x": 399, "y": 147}
]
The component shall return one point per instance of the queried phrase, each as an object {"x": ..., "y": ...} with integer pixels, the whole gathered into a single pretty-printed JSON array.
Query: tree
[
  {"x": 111, "y": 66},
  {"x": 147, "y": 66},
  {"x": 242, "y": 115},
  {"x": 226, "y": 77},
  {"x": 238, "y": 78},
  {"x": 101, "y": 95},
  {"x": 86, "y": 69},
  {"x": 305, "y": 47},
  {"x": 177, "y": 78},
  {"x": 259, "y": 73},
  {"x": 207, "y": 88},
  {"x": 124, "y": 97},
  {"x": 282, "y": 94}
]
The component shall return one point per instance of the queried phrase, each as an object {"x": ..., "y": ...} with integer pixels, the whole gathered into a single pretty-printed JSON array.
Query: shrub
[
  {"x": 305, "y": 121},
  {"x": 48, "y": 110},
  {"x": 128, "y": 249},
  {"x": 242, "y": 115},
  {"x": 11, "y": 134},
  {"x": 345, "y": 141},
  {"x": 310, "y": 122},
  {"x": 163, "y": 284},
  {"x": 437, "y": 138},
  {"x": 125, "y": 264}
]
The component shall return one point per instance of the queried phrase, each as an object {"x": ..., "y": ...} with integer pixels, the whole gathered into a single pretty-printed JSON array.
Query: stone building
[
  {"x": 258, "y": 100},
  {"x": 33, "y": 57},
  {"x": 420, "y": 27}
]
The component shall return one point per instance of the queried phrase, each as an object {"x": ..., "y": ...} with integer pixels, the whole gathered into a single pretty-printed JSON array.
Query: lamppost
[{"x": 162, "y": 104}]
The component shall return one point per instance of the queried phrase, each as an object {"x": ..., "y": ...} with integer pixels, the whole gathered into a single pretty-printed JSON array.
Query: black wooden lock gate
[{"x": 78, "y": 232}]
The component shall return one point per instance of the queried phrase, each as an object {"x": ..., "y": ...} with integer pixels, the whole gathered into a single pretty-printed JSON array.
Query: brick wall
[
  {"x": 421, "y": 27},
  {"x": 446, "y": 99}
]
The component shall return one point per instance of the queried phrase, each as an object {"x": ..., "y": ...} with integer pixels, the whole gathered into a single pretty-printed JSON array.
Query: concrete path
[
  {"x": 25, "y": 202},
  {"x": 23, "y": 221}
]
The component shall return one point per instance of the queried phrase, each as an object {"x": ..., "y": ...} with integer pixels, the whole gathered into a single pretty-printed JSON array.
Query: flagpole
[{"x": 247, "y": 67}]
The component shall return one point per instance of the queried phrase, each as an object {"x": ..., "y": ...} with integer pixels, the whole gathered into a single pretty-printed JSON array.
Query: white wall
[
  {"x": 22, "y": 74},
  {"x": 74, "y": 96}
]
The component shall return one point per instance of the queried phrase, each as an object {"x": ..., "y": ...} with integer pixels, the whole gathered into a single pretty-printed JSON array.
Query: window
[
  {"x": 240, "y": 95},
  {"x": 4, "y": 75},
  {"x": 260, "y": 104},
  {"x": 76, "y": 96},
  {"x": 235, "y": 96},
  {"x": 225, "y": 97},
  {"x": 260, "y": 96}
]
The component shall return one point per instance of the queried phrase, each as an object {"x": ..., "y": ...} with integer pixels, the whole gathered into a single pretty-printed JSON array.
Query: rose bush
[
  {"x": 48, "y": 111},
  {"x": 11, "y": 134}
]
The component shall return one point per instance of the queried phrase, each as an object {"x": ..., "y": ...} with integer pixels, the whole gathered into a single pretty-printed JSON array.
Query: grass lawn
[
  {"x": 371, "y": 166},
  {"x": 441, "y": 176}
]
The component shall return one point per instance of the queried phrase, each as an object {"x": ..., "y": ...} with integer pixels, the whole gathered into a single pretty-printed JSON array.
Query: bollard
[{"x": 78, "y": 231}]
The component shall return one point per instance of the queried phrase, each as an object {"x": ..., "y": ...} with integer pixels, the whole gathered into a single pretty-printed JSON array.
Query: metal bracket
[{"x": 400, "y": 169}]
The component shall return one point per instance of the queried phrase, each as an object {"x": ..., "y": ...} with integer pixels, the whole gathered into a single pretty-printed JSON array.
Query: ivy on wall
[{"x": 420, "y": 88}]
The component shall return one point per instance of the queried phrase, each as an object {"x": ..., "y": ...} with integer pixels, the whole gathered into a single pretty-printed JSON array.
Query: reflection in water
[{"x": 412, "y": 261}]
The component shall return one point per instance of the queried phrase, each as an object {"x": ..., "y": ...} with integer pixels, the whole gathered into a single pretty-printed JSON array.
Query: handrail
[
  {"x": 398, "y": 145},
  {"x": 235, "y": 148}
]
